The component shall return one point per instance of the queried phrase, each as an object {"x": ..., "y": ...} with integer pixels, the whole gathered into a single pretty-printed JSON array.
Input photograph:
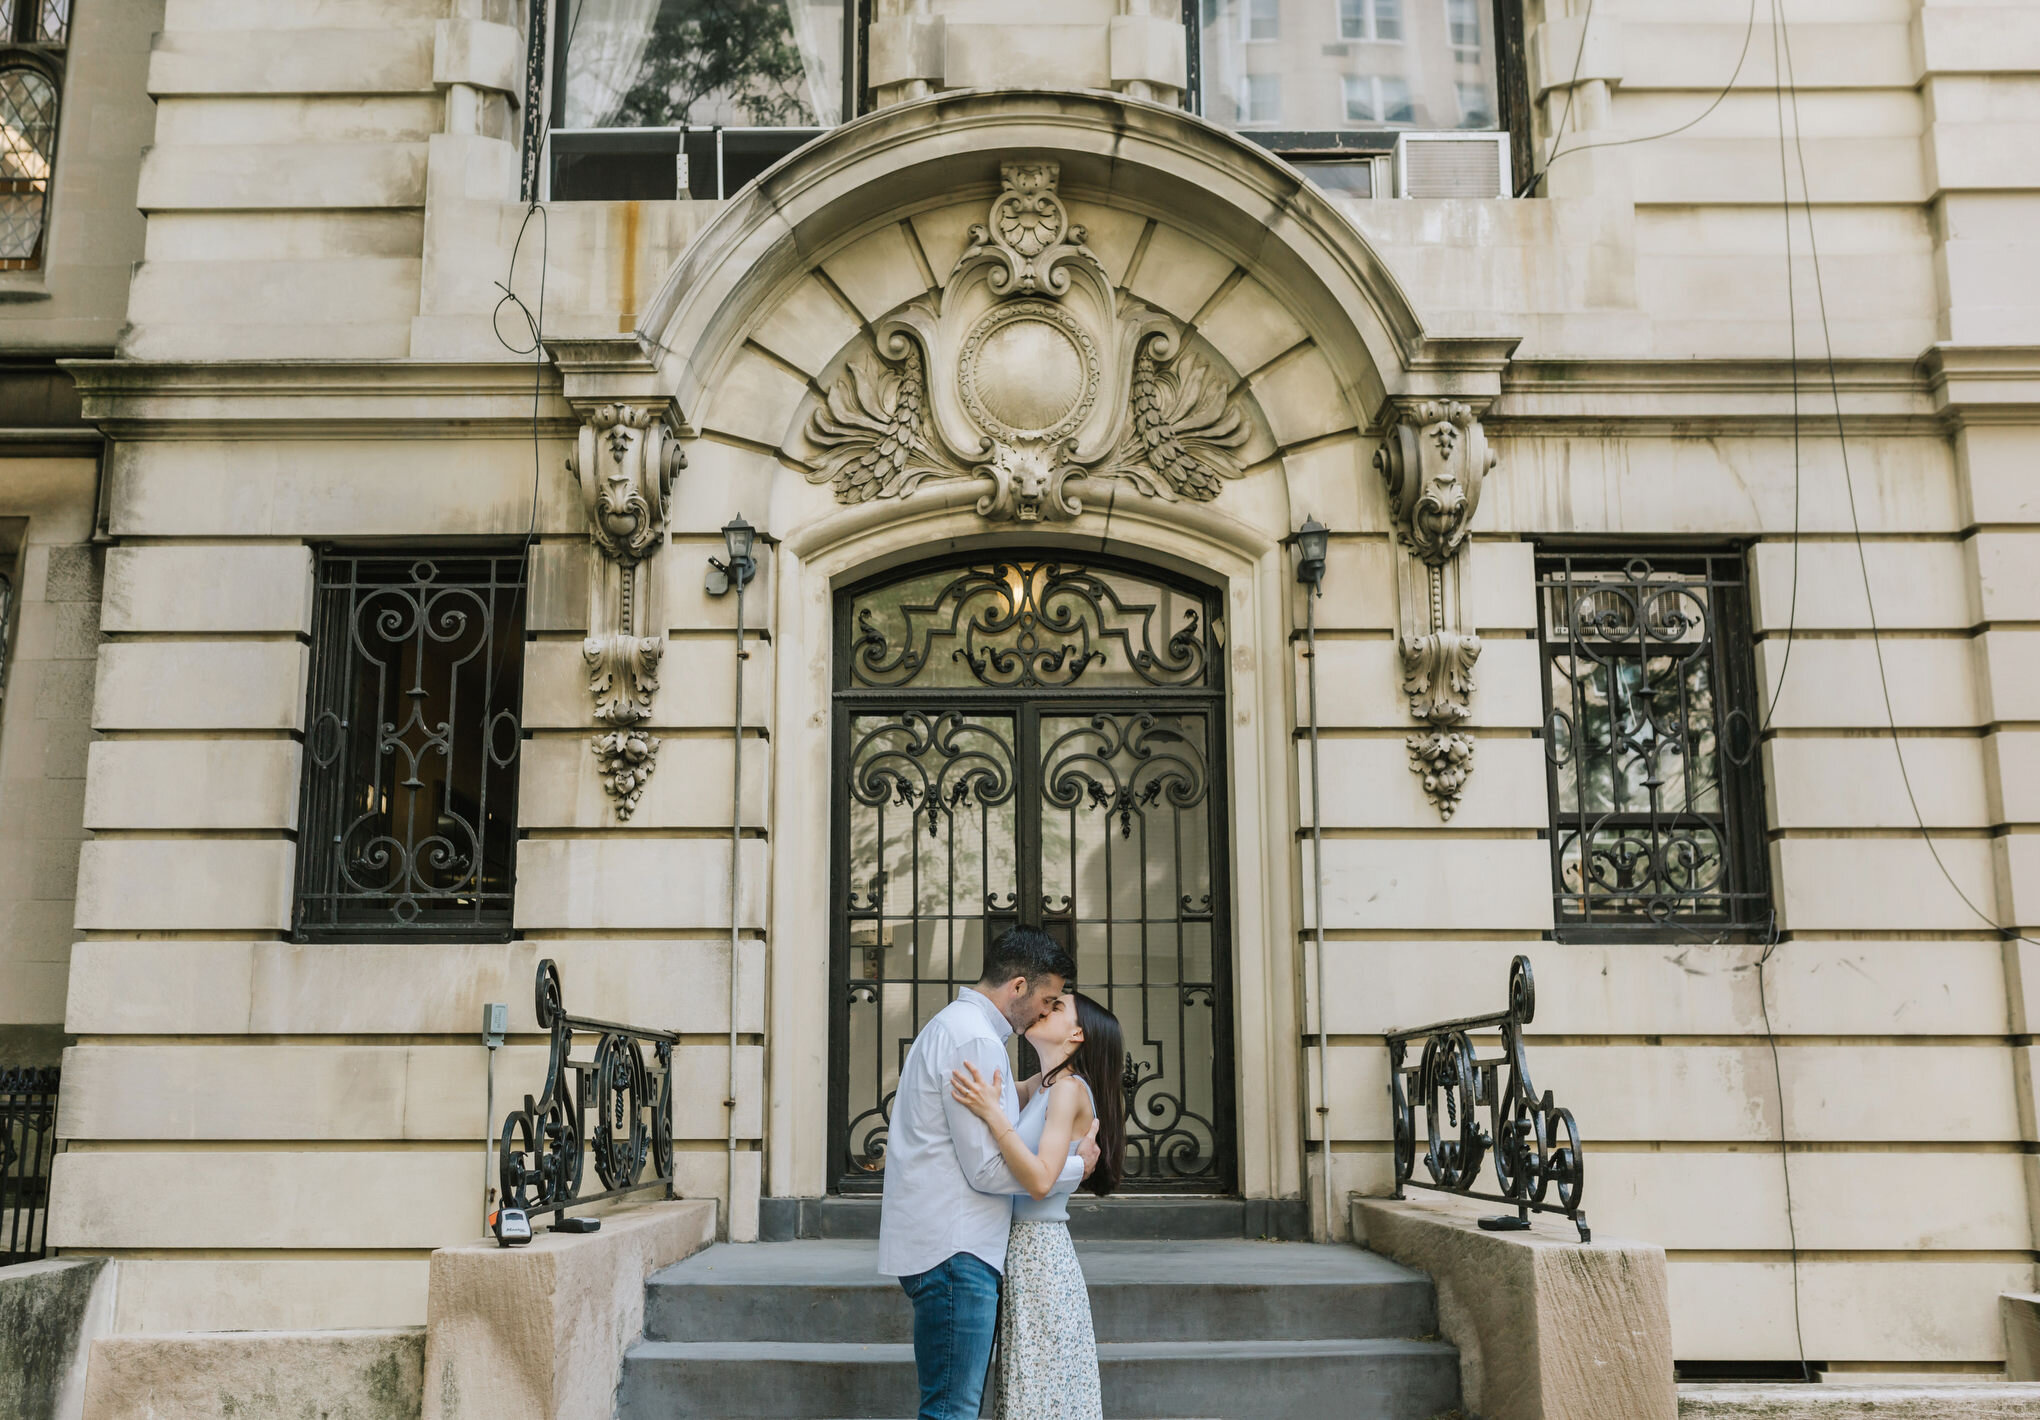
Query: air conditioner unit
[{"x": 1452, "y": 165}]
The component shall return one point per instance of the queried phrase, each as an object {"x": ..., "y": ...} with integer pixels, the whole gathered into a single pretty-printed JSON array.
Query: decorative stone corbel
[
  {"x": 625, "y": 462},
  {"x": 1433, "y": 460}
]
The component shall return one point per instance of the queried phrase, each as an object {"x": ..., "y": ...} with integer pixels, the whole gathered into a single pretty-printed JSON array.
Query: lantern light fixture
[
  {"x": 739, "y": 537},
  {"x": 1311, "y": 541}
]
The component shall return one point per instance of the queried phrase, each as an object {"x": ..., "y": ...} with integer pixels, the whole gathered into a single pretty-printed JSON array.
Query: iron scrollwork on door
[
  {"x": 1034, "y": 740},
  {"x": 1024, "y": 626},
  {"x": 1123, "y": 789},
  {"x": 931, "y": 811}
]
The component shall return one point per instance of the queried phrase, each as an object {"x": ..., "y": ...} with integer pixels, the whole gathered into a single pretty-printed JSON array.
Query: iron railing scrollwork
[
  {"x": 28, "y": 1144},
  {"x": 1535, "y": 1143},
  {"x": 617, "y": 1109}
]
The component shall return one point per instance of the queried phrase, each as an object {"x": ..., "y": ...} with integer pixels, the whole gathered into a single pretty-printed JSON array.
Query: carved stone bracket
[
  {"x": 625, "y": 461},
  {"x": 1433, "y": 461},
  {"x": 1027, "y": 373}
]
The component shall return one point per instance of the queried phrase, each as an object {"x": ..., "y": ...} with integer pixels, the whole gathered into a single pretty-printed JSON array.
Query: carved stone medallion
[{"x": 1028, "y": 373}]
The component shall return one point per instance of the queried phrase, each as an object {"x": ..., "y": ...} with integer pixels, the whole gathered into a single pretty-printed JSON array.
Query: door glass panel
[
  {"x": 933, "y": 849},
  {"x": 1125, "y": 833}
]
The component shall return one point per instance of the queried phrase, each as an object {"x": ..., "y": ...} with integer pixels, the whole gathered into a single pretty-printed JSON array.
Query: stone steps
[
  {"x": 1208, "y": 1328},
  {"x": 1362, "y": 1379}
]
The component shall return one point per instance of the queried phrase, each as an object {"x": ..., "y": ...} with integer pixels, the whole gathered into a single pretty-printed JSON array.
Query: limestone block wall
[
  {"x": 274, "y": 1134},
  {"x": 45, "y": 547}
]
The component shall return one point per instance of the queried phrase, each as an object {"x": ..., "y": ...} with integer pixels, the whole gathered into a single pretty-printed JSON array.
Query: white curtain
[
  {"x": 818, "y": 33},
  {"x": 605, "y": 52}
]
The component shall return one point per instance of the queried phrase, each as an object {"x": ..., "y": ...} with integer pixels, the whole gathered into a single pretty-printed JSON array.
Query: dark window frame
[
  {"x": 1738, "y": 715},
  {"x": 332, "y": 768},
  {"x": 1512, "y": 101},
  {"x": 25, "y": 43},
  {"x": 721, "y": 158}
]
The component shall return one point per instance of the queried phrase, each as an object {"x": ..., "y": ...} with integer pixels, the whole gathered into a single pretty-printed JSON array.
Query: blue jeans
[{"x": 956, "y": 1315}]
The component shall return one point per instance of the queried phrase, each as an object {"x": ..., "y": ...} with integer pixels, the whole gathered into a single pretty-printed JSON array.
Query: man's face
[{"x": 1030, "y": 1004}]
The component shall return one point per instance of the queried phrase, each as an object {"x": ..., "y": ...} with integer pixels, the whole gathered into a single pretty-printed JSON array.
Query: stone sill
[{"x": 1994, "y": 1400}]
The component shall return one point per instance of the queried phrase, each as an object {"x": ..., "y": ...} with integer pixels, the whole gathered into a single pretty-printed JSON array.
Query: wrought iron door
[{"x": 1034, "y": 740}]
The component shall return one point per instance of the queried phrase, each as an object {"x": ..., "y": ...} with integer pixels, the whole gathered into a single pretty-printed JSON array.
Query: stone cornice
[
  {"x": 317, "y": 399},
  {"x": 1656, "y": 397},
  {"x": 1984, "y": 384}
]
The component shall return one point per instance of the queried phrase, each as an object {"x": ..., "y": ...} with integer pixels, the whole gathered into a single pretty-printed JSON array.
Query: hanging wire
[
  {"x": 1748, "y": 30},
  {"x": 1778, "y": 687},
  {"x": 1572, "y": 86},
  {"x": 1856, "y": 526}
]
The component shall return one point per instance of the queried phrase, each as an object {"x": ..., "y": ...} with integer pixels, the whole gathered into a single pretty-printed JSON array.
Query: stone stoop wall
[{"x": 258, "y": 1375}]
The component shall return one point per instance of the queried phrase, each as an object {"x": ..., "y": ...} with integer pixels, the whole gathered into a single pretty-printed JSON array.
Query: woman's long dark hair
[{"x": 1100, "y": 1062}]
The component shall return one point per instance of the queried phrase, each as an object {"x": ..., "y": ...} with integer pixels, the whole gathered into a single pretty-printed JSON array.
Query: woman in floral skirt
[{"x": 1048, "y": 1354}]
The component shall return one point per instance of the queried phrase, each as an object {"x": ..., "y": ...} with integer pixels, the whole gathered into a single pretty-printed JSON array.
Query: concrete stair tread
[
  {"x": 836, "y": 1353},
  {"x": 1221, "y": 1262}
]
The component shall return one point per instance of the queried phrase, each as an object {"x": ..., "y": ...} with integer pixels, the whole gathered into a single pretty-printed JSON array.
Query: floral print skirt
[{"x": 1048, "y": 1354}]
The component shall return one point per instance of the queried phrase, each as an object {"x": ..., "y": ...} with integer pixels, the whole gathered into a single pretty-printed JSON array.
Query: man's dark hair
[{"x": 1028, "y": 952}]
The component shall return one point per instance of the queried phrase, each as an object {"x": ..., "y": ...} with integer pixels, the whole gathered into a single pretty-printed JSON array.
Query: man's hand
[{"x": 1087, "y": 1148}]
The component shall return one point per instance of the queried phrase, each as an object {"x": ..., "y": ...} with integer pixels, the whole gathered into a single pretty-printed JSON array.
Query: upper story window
[
  {"x": 408, "y": 817},
  {"x": 32, "y": 38},
  {"x": 1352, "y": 75},
  {"x": 1651, "y": 741},
  {"x": 687, "y": 98}
]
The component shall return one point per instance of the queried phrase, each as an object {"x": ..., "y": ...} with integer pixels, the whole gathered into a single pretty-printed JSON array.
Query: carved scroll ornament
[
  {"x": 1029, "y": 372},
  {"x": 1433, "y": 461},
  {"x": 625, "y": 461}
]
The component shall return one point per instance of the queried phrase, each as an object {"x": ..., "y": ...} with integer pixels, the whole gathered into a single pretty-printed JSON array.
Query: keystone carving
[
  {"x": 1028, "y": 373},
  {"x": 1433, "y": 461},
  {"x": 625, "y": 461}
]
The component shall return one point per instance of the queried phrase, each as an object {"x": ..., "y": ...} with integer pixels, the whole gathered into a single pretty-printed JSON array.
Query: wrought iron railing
[
  {"x": 28, "y": 1143},
  {"x": 616, "y": 1108},
  {"x": 1535, "y": 1143}
]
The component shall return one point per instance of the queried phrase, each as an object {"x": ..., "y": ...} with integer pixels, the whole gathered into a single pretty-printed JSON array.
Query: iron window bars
[
  {"x": 411, "y": 747},
  {"x": 33, "y": 34},
  {"x": 617, "y": 1107},
  {"x": 28, "y": 1142},
  {"x": 1539, "y": 1163},
  {"x": 1651, "y": 747}
]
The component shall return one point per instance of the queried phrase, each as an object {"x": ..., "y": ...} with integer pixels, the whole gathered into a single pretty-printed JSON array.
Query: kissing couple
[{"x": 978, "y": 1173}]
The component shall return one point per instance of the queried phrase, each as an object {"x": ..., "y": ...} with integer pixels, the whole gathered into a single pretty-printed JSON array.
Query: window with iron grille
[
  {"x": 1651, "y": 746},
  {"x": 33, "y": 34},
  {"x": 408, "y": 825}
]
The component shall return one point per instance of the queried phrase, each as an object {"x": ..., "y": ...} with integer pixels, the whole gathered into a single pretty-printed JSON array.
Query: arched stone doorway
[{"x": 1035, "y": 737}]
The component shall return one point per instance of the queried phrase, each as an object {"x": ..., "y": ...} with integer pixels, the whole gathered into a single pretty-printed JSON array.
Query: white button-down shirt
[{"x": 947, "y": 1188}]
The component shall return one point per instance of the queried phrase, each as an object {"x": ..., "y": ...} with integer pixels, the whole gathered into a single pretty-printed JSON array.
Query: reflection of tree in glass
[{"x": 710, "y": 60}]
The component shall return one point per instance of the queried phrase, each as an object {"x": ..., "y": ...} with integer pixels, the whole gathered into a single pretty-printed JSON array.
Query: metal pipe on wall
[
  {"x": 736, "y": 888},
  {"x": 1317, "y": 872}
]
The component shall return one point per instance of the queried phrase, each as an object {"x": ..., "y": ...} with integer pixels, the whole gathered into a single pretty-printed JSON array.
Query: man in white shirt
[{"x": 948, "y": 1192}]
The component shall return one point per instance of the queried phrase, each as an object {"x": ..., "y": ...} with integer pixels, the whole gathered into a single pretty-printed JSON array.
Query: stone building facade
[{"x": 1019, "y": 334}]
